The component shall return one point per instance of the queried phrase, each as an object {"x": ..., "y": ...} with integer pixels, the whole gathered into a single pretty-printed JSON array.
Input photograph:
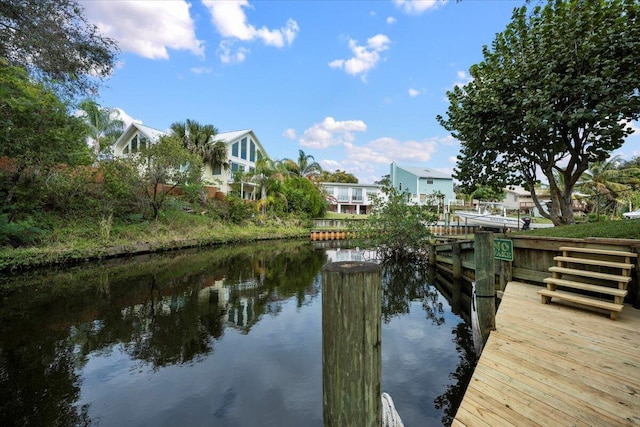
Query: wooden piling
[
  {"x": 351, "y": 344},
  {"x": 485, "y": 282},
  {"x": 457, "y": 260},
  {"x": 432, "y": 255}
]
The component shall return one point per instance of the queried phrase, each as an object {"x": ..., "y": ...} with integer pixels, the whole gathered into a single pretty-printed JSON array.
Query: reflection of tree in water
[
  {"x": 164, "y": 311},
  {"x": 403, "y": 282},
  {"x": 39, "y": 384},
  {"x": 450, "y": 400}
]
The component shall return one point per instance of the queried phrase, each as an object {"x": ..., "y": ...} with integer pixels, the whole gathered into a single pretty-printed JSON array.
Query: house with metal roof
[
  {"x": 420, "y": 183},
  {"x": 243, "y": 151}
]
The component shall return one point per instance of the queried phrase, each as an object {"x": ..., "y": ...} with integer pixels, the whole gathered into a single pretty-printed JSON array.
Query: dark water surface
[{"x": 222, "y": 337}]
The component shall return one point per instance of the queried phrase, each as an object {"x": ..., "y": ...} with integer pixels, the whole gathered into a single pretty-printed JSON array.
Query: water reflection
[{"x": 226, "y": 336}]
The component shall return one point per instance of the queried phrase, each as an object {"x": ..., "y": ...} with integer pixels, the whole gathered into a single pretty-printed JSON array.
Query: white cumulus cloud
[
  {"x": 364, "y": 57},
  {"x": 230, "y": 20},
  {"x": 201, "y": 70},
  {"x": 417, "y": 7},
  {"x": 144, "y": 27},
  {"x": 289, "y": 134},
  {"x": 331, "y": 132},
  {"x": 230, "y": 54},
  {"x": 391, "y": 20},
  {"x": 414, "y": 92}
]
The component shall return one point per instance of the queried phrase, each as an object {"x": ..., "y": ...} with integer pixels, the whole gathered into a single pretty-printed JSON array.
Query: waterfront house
[
  {"x": 243, "y": 151},
  {"x": 420, "y": 183},
  {"x": 351, "y": 198}
]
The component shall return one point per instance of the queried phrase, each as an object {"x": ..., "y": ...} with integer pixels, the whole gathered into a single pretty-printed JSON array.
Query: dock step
[
  {"x": 586, "y": 287},
  {"x": 599, "y": 251},
  {"x": 587, "y": 261},
  {"x": 613, "y": 308},
  {"x": 592, "y": 274}
]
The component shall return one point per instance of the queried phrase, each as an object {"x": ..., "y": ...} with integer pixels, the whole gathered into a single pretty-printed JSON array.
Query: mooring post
[
  {"x": 457, "y": 261},
  {"x": 485, "y": 282},
  {"x": 432, "y": 255},
  {"x": 351, "y": 344}
]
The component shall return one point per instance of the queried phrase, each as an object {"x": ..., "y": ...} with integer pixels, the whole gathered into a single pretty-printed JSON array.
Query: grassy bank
[
  {"x": 71, "y": 242},
  {"x": 620, "y": 229}
]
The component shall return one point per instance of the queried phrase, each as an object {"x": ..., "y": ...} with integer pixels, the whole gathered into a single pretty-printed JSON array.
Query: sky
[{"x": 355, "y": 84}]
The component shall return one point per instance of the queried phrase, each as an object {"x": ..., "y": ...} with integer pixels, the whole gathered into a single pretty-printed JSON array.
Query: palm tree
[
  {"x": 306, "y": 166},
  {"x": 102, "y": 123},
  {"x": 200, "y": 139},
  {"x": 605, "y": 182},
  {"x": 268, "y": 176}
]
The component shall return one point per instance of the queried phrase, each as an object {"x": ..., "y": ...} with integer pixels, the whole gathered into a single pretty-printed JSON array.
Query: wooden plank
[
  {"x": 587, "y": 287},
  {"x": 576, "y": 401},
  {"x": 588, "y": 261},
  {"x": 591, "y": 302},
  {"x": 599, "y": 251},
  {"x": 549, "y": 365},
  {"x": 592, "y": 274}
]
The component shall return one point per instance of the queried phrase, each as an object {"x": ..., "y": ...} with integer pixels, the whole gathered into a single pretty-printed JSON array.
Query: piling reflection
[{"x": 179, "y": 309}]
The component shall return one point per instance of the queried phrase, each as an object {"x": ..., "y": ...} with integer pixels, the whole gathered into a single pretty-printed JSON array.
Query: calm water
[{"x": 222, "y": 337}]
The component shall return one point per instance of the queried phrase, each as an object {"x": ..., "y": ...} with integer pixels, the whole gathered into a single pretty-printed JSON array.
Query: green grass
[
  {"x": 617, "y": 229},
  {"x": 335, "y": 215}
]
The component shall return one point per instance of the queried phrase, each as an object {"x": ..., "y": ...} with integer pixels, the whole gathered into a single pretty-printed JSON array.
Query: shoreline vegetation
[
  {"x": 82, "y": 244},
  {"x": 82, "y": 241}
]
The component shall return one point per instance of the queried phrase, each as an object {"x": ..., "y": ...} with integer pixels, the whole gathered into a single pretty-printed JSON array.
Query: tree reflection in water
[{"x": 169, "y": 310}]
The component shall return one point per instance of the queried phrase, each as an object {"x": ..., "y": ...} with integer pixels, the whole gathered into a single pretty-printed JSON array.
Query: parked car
[{"x": 632, "y": 215}]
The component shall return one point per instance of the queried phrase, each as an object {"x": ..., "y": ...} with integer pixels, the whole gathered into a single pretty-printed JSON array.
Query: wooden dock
[{"x": 555, "y": 365}]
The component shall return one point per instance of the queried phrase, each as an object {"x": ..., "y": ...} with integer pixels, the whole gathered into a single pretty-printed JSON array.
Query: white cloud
[
  {"x": 127, "y": 119},
  {"x": 201, "y": 70},
  {"x": 230, "y": 21},
  {"x": 228, "y": 54},
  {"x": 463, "y": 78},
  {"x": 289, "y": 134},
  {"x": 453, "y": 159},
  {"x": 417, "y": 7},
  {"x": 413, "y": 92},
  {"x": 331, "y": 132},
  {"x": 364, "y": 57},
  {"x": 386, "y": 150},
  {"x": 146, "y": 28},
  {"x": 391, "y": 20}
]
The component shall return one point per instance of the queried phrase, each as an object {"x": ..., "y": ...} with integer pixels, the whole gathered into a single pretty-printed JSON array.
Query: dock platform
[{"x": 555, "y": 365}]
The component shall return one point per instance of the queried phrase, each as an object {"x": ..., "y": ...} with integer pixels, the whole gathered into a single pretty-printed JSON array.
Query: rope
[{"x": 390, "y": 417}]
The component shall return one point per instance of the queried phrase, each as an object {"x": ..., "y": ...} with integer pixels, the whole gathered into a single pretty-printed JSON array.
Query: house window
[
  {"x": 343, "y": 194},
  {"x": 429, "y": 180},
  {"x": 356, "y": 194},
  {"x": 216, "y": 169},
  {"x": 259, "y": 154},
  {"x": 252, "y": 150},
  {"x": 243, "y": 149},
  {"x": 126, "y": 149},
  {"x": 134, "y": 144},
  {"x": 515, "y": 197},
  {"x": 143, "y": 142},
  {"x": 234, "y": 166},
  {"x": 234, "y": 149}
]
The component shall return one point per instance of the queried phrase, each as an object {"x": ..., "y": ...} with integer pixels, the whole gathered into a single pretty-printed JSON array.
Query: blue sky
[{"x": 357, "y": 84}]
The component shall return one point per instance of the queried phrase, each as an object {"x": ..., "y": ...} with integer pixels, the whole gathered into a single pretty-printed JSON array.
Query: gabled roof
[
  {"x": 149, "y": 132},
  {"x": 425, "y": 172},
  {"x": 230, "y": 136}
]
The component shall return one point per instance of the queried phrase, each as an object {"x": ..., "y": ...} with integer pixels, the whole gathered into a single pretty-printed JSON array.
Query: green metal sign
[{"x": 503, "y": 249}]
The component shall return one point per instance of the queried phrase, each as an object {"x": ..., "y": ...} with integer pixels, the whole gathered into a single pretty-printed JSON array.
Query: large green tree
[
  {"x": 55, "y": 43},
  {"x": 306, "y": 165},
  {"x": 554, "y": 93},
  {"x": 166, "y": 165}
]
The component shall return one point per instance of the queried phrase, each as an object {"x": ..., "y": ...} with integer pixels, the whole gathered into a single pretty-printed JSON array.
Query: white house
[
  {"x": 351, "y": 198},
  {"x": 243, "y": 151}
]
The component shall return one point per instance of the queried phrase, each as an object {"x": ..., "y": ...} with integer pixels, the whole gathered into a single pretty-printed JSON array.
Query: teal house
[{"x": 420, "y": 183}]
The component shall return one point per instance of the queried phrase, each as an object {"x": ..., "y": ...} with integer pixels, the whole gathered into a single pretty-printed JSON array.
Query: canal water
[{"x": 219, "y": 337}]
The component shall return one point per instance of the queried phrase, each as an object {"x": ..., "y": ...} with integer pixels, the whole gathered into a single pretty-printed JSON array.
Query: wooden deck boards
[{"x": 555, "y": 364}]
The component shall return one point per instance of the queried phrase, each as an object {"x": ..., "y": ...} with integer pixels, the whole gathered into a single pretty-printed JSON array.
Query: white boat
[{"x": 486, "y": 219}]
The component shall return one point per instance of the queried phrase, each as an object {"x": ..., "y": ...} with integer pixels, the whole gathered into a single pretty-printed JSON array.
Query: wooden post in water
[
  {"x": 457, "y": 260},
  {"x": 432, "y": 255},
  {"x": 485, "y": 282},
  {"x": 351, "y": 344}
]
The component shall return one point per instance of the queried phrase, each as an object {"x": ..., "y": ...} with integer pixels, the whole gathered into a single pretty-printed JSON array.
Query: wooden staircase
[{"x": 574, "y": 278}]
